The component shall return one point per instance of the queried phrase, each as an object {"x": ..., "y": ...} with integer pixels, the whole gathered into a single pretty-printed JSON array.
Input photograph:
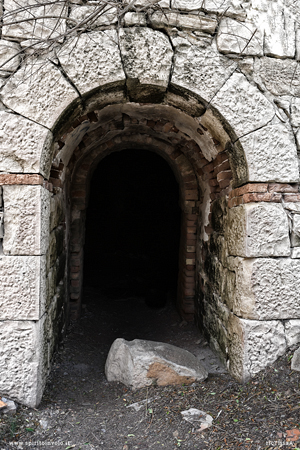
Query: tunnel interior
[{"x": 132, "y": 232}]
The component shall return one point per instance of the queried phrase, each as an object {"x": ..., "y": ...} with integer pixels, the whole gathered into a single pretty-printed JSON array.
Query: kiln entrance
[{"x": 133, "y": 228}]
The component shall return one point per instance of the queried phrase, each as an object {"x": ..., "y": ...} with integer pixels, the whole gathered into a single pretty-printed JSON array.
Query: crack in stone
[{"x": 11, "y": 111}]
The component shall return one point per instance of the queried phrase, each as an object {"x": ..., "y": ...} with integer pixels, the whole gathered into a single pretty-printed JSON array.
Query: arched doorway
[{"x": 132, "y": 229}]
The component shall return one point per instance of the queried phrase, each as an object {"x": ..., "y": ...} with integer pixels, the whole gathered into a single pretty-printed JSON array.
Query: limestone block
[
  {"x": 295, "y": 253},
  {"x": 295, "y": 112},
  {"x": 21, "y": 144},
  {"x": 202, "y": 70},
  {"x": 39, "y": 92},
  {"x": 138, "y": 363},
  {"x": 271, "y": 154},
  {"x": 240, "y": 38},
  {"x": 264, "y": 288},
  {"x": 31, "y": 22},
  {"x": 279, "y": 76},
  {"x": 20, "y": 361},
  {"x": 279, "y": 31},
  {"x": 296, "y": 225},
  {"x": 88, "y": 15},
  {"x": 243, "y": 105},
  {"x": 199, "y": 22},
  {"x": 292, "y": 332},
  {"x": 135, "y": 19},
  {"x": 92, "y": 59},
  {"x": 161, "y": 3},
  {"x": 295, "y": 365},
  {"x": 26, "y": 220},
  {"x": 190, "y": 5},
  {"x": 258, "y": 229},
  {"x": 22, "y": 287},
  {"x": 253, "y": 345},
  {"x": 10, "y": 57},
  {"x": 147, "y": 57}
]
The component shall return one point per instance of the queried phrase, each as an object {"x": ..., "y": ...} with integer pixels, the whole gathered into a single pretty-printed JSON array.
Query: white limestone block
[
  {"x": 295, "y": 365},
  {"x": 39, "y": 92},
  {"x": 23, "y": 19},
  {"x": 81, "y": 15},
  {"x": 279, "y": 76},
  {"x": 138, "y": 363},
  {"x": 296, "y": 225},
  {"x": 253, "y": 345},
  {"x": 10, "y": 57},
  {"x": 264, "y": 288},
  {"x": 292, "y": 332},
  {"x": 243, "y": 105},
  {"x": 147, "y": 56},
  {"x": 295, "y": 253},
  {"x": 20, "y": 360},
  {"x": 240, "y": 38},
  {"x": 22, "y": 287},
  {"x": 258, "y": 229},
  {"x": 271, "y": 154},
  {"x": 22, "y": 145},
  {"x": 92, "y": 60},
  {"x": 161, "y": 3},
  {"x": 194, "y": 22},
  {"x": 135, "y": 19},
  {"x": 279, "y": 31},
  {"x": 190, "y": 5},
  {"x": 201, "y": 70},
  {"x": 295, "y": 112},
  {"x": 26, "y": 220}
]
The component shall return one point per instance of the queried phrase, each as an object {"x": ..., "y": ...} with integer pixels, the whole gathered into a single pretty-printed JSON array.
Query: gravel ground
[{"x": 81, "y": 410}]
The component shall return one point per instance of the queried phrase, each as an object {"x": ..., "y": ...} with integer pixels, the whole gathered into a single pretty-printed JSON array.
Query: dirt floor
[{"x": 81, "y": 410}]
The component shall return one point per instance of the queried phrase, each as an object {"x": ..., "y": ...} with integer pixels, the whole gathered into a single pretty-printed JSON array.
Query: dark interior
[{"x": 133, "y": 228}]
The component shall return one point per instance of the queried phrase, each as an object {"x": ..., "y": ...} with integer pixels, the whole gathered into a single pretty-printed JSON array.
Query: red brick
[
  {"x": 11, "y": 179},
  {"x": 55, "y": 182},
  {"x": 291, "y": 197},
  {"x": 224, "y": 183},
  {"x": 220, "y": 158},
  {"x": 191, "y": 195},
  {"x": 224, "y": 175},
  {"x": 287, "y": 188},
  {"x": 213, "y": 182},
  {"x": 263, "y": 197}
]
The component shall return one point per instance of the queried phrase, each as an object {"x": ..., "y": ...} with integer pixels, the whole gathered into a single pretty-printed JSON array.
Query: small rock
[
  {"x": 44, "y": 424},
  {"x": 195, "y": 416},
  {"x": 2, "y": 405},
  {"x": 138, "y": 363},
  {"x": 296, "y": 361},
  {"x": 10, "y": 408}
]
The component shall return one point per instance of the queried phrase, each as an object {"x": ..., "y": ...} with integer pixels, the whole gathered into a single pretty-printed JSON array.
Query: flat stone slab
[
  {"x": 139, "y": 363},
  {"x": 296, "y": 361}
]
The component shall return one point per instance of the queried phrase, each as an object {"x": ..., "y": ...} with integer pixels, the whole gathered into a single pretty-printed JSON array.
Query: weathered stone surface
[
  {"x": 271, "y": 154},
  {"x": 253, "y": 345},
  {"x": 147, "y": 58},
  {"x": 21, "y": 23},
  {"x": 279, "y": 31},
  {"x": 195, "y": 22},
  {"x": 138, "y": 363},
  {"x": 240, "y": 38},
  {"x": 264, "y": 288},
  {"x": 21, "y": 144},
  {"x": 190, "y": 5},
  {"x": 10, "y": 57},
  {"x": 135, "y": 19},
  {"x": 295, "y": 253},
  {"x": 39, "y": 92},
  {"x": 26, "y": 220},
  {"x": 295, "y": 112},
  {"x": 280, "y": 77},
  {"x": 292, "y": 332},
  {"x": 243, "y": 105},
  {"x": 81, "y": 15},
  {"x": 161, "y": 3},
  {"x": 202, "y": 70},
  {"x": 92, "y": 59},
  {"x": 259, "y": 229},
  {"x": 296, "y": 360},
  {"x": 22, "y": 287},
  {"x": 296, "y": 225}
]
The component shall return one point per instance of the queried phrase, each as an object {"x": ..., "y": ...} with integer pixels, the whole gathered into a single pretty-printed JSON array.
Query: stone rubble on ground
[
  {"x": 195, "y": 416},
  {"x": 296, "y": 361},
  {"x": 9, "y": 406},
  {"x": 140, "y": 363}
]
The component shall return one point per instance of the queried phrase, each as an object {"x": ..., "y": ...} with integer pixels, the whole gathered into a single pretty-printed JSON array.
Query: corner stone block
[
  {"x": 21, "y": 361},
  {"x": 38, "y": 91},
  {"x": 264, "y": 288},
  {"x": 147, "y": 58},
  {"x": 256, "y": 230},
  {"x": 271, "y": 154},
  {"x": 22, "y": 144},
  {"x": 26, "y": 220},
  {"x": 253, "y": 345},
  {"x": 92, "y": 60},
  {"x": 22, "y": 287}
]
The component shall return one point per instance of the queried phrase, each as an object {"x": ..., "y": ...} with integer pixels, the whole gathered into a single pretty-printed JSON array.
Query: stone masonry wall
[{"x": 225, "y": 76}]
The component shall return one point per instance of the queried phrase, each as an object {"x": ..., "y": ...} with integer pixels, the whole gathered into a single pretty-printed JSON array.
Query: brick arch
[{"x": 201, "y": 181}]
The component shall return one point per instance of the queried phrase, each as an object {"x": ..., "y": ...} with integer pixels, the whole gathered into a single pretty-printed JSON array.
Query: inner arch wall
[{"x": 234, "y": 134}]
